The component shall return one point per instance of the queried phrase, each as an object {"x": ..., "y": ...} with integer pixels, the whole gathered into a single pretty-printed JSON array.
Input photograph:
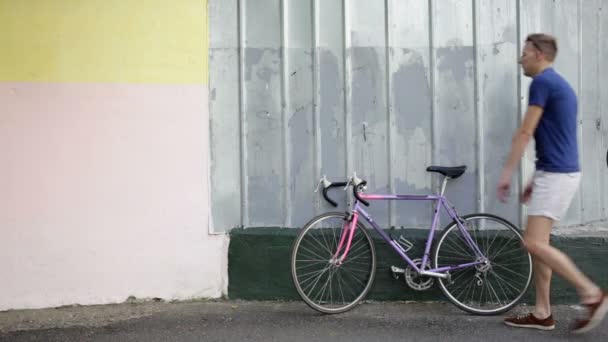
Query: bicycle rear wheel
[
  {"x": 323, "y": 284},
  {"x": 485, "y": 289}
]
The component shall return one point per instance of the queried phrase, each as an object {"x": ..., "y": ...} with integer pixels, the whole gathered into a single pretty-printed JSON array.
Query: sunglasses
[{"x": 538, "y": 46}]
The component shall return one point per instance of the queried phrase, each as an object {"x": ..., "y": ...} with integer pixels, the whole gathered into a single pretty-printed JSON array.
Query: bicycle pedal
[{"x": 397, "y": 270}]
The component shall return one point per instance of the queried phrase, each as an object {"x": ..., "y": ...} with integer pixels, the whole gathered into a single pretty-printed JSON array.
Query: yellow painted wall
[{"x": 104, "y": 41}]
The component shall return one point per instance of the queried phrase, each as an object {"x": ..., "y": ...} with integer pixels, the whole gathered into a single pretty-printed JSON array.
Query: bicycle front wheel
[
  {"x": 495, "y": 286},
  {"x": 324, "y": 284}
]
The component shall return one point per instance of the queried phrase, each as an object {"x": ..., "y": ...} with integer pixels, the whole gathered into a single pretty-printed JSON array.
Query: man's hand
[
  {"x": 525, "y": 196},
  {"x": 504, "y": 186}
]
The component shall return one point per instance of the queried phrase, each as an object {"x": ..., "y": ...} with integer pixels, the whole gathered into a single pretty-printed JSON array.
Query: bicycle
[{"x": 479, "y": 260}]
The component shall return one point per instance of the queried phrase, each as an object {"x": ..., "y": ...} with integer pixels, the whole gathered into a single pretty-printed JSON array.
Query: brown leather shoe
[
  {"x": 530, "y": 321},
  {"x": 597, "y": 311}
]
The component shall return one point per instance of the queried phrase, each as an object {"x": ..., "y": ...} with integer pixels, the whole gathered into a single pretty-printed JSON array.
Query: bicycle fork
[{"x": 346, "y": 238}]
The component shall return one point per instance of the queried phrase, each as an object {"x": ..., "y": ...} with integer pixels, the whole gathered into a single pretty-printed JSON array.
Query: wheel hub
[{"x": 483, "y": 266}]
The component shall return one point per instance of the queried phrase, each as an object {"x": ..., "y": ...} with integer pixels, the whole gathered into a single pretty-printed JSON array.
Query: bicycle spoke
[
  {"x": 314, "y": 278},
  {"x": 314, "y": 254},
  {"x": 354, "y": 277},
  {"x": 309, "y": 265},
  {"x": 504, "y": 281},
  {"x": 352, "y": 292},
  {"x": 512, "y": 272},
  {"x": 510, "y": 263},
  {"x": 454, "y": 251},
  {"x": 314, "y": 273},
  {"x": 338, "y": 278},
  {"x": 320, "y": 244},
  {"x": 323, "y": 285},
  {"x": 460, "y": 275},
  {"x": 464, "y": 250},
  {"x": 498, "y": 241},
  {"x": 502, "y": 289},
  {"x": 490, "y": 287},
  {"x": 324, "y": 288},
  {"x": 314, "y": 284},
  {"x": 491, "y": 244},
  {"x": 505, "y": 245},
  {"x": 500, "y": 283}
]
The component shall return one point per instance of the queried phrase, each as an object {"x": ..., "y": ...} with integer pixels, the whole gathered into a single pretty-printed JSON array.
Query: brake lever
[{"x": 326, "y": 183}]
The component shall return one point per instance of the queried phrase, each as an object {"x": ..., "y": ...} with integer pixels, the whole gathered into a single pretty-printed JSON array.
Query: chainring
[{"x": 416, "y": 281}]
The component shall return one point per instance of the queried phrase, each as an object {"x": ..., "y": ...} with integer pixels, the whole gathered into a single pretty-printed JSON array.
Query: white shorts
[{"x": 552, "y": 193}]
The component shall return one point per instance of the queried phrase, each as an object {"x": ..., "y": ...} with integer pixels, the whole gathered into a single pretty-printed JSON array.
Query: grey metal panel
[
  {"x": 566, "y": 28},
  {"x": 410, "y": 107},
  {"x": 529, "y": 22},
  {"x": 262, "y": 90},
  {"x": 367, "y": 98},
  {"x": 305, "y": 88},
  {"x": 603, "y": 91},
  {"x": 497, "y": 51},
  {"x": 592, "y": 154},
  {"x": 225, "y": 170},
  {"x": 224, "y": 24},
  {"x": 454, "y": 109},
  {"x": 329, "y": 95},
  {"x": 298, "y": 80}
]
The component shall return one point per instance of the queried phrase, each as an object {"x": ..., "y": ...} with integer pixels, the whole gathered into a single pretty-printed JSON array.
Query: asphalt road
[{"x": 275, "y": 321}]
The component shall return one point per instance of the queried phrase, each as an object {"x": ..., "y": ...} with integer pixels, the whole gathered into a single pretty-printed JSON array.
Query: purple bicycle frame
[{"x": 348, "y": 231}]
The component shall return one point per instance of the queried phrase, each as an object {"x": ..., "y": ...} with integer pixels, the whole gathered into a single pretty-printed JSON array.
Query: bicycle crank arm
[
  {"x": 434, "y": 274},
  {"x": 397, "y": 270}
]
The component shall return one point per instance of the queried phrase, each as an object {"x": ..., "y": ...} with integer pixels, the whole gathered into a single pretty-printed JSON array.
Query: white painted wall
[{"x": 104, "y": 195}]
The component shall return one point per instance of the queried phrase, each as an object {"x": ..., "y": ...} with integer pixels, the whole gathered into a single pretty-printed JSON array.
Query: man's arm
[{"x": 521, "y": 138}]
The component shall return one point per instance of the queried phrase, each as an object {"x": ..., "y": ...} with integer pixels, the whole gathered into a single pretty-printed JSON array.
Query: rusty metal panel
[{"x": 305, "y": 88}]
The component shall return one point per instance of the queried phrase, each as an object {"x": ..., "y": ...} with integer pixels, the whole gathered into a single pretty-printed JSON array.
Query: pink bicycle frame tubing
[{"x": 347, "y": 230}]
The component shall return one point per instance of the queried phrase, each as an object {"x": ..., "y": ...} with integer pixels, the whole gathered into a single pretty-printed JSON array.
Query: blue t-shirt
[{"x": 555, "y": 136}]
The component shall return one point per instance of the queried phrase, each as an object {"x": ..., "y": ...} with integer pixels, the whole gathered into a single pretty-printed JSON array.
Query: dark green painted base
[{"x": 259, "y": 266}]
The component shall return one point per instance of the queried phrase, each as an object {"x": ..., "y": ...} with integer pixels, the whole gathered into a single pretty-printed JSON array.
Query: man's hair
[{"x": 545, "y": 44}]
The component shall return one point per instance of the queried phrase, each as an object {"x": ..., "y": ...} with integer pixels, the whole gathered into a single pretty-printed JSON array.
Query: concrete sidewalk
[{"x": 274, "y": 321}]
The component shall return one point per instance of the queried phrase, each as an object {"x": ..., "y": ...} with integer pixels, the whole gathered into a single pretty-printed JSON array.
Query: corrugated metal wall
[{"x": 303, "y": 88}]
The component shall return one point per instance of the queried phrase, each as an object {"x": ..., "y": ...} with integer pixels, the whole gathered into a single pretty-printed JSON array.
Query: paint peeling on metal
[{"x": 287, "y": 80}]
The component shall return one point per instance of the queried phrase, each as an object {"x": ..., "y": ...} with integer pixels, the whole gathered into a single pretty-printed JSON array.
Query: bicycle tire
[
  {"x": 315, "y": 245},
  {"x": 503, "y": 268}
]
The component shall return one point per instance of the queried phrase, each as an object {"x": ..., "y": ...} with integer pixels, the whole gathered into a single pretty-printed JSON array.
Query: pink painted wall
[
  {"x": 105, "y": 194},
  {"x": 104, "y": 153}
]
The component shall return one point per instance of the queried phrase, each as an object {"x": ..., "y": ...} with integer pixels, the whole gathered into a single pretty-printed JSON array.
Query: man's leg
[
  {"x": 536, "y": 240},
  {"x": 542, "y": 272},
  {"x": 542, "y": 286},
  {"x": 541, "y": 317}
]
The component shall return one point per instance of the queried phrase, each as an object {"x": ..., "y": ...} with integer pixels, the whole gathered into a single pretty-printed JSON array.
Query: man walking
[{"x": 551, "y": 119}]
